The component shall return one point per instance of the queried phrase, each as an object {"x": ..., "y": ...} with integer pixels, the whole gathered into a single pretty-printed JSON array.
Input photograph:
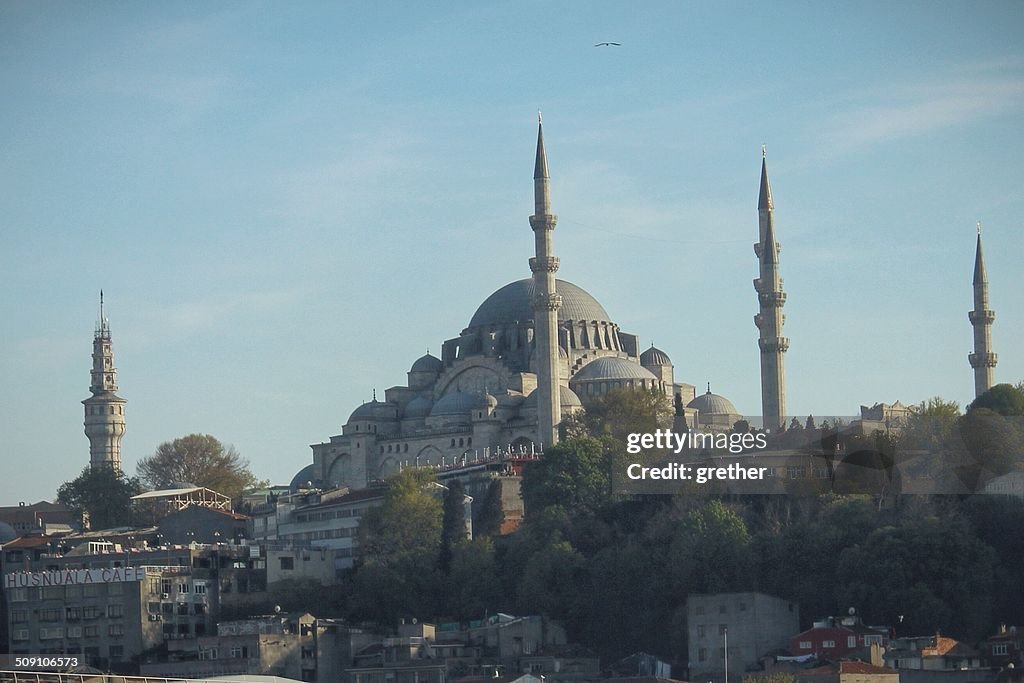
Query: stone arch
[
  {"x": 388, "y": 467},
  {"x": 340, "y": 470},
  {"x": 428, "y": 453}
]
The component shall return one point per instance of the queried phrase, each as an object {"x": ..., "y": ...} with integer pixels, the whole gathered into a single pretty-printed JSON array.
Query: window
[
  {"x": 19, "y": 634},
  {"x": 115, "y": 610},
  {"x": 116, "y": 630},
  {"x": 74, "y": 631},
  {"x": 53, "y": 614},
  {"x": 702, "y": 654},
  {"x": 183, "y": 608},
  {"x": 200, "y": 588},
  {"x": 17, "y": 595},
  {"x": 851, "y": 641},
  {"x": 117, "y": 652},
  {"x": 872, "y": 640},
  {"x": 828, "y": 643},
  {"x": 90, "y": 612},
  {"x": 183, "y": 587},
  {"x": 287, "y": 563},
  {"x": 53, "y": 592},
  {"x": 805, "y": 645},
  {"x": 700, "y": 631},
  {"x": 115, "y": 588},
  {"x": 72, "y": 614},
  {"x": 91, "y": 590},
  {"x": 19, "y": 616},
  {"x": 51, "y": 633},
  {"x": 1000, "y": 649},
  {"x": 91, "y": 631}
]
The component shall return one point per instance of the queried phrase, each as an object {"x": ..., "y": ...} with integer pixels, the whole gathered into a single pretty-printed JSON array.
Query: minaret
[
  {"x": 983, "y": 360},
  {"x": 770, "y": 319},
  {"x": 545, "y": 302},
  {"x": 104, "y": 410}
]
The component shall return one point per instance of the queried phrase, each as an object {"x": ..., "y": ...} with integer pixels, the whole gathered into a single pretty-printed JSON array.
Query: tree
[
  {"x": 102, "y": 495},
  {"x": 453, "y": 523},
  {"x": 1003, "y": 399},
  {"x": 622, "y": 412},
  {"x": 491, "y": 516},
  {"x": 399, "y": 547},
  {"x": 197, "y": 459},
  {"x": 574, "y": 474}
]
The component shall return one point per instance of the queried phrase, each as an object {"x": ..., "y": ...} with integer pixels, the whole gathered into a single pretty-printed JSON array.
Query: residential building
[{"x": 736, "y": 628}]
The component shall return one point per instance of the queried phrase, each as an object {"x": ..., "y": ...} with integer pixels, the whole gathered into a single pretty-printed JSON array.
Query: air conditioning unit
[
  {"x": 165, "y": 596},
  {"x": 154, "y": 617}
]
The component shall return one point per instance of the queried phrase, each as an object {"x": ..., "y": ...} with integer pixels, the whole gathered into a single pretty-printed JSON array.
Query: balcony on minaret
[
  {"x": 774, "y": 345},
  {"x": 544, "y": 221},
  {"x": 983, "y": 360},
  {"x": 982, "y": 317},
  {"x": 548, "y": 264},
  {"x": 771, "y": 299}
]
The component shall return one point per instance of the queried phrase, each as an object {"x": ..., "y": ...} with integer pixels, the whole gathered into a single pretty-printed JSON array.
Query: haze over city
[{"x": 287, "y": 204}]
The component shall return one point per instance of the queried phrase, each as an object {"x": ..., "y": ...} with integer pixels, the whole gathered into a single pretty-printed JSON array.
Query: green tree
[
  {"x": 711, "y": 551},
  {"x": 934, "y": 572},
  {"x": 1002, "y": 399},
  {"x": 622, "y": 412},
  {"x": 473, "y": 586},
  {"x": 575, "y": 474},
  {"x": 399, "y": 547},
  {"x": 197, "y": 459},
  {"x": 453, "y": 523},
  {"x": 491, "y": 516},
  {"x": 102, "y": 495}
]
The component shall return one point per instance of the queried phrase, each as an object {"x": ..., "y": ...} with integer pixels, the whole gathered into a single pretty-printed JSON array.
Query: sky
[{"x": 286, "y": 204}]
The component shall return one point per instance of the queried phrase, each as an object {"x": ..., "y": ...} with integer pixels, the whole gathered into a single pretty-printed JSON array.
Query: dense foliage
[
  {"x": 197, "y": 459},
  {"x": 102, "y": 495}
]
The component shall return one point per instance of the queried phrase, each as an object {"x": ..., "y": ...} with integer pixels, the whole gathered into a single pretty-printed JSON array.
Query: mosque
[{"x": 535, "y": 351}]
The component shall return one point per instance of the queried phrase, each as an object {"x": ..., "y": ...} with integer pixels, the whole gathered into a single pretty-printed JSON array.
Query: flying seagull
[{"x": 607, "y": 44}]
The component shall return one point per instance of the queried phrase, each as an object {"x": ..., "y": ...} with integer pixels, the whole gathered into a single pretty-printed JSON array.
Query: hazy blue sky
[{"x": 287, "y": 203}]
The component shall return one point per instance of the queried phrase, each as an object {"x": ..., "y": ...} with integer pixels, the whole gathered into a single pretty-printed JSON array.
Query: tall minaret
[
  {"x": 545, "y": 302},
  {"x": 104, "y": 410},
  {"x": 770, "y": 319},
  {"x": 983, "y": 360}
]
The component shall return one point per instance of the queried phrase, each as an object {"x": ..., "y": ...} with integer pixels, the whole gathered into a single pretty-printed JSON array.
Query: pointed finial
[
  {"x": 764, "y": 152},
  {"x": 540, "y": 117},
  {"x": 979, "y": 227},
  {"x": 375, "y": 394},
  {"x": 709, "y": 387}
]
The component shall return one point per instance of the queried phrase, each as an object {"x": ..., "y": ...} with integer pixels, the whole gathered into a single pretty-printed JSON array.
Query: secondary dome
[
  {"x": 654, "y": 356},
  {"x": 374, "y": 410},
  {"x": 418, "y": 407},
  {"x": 457, "y": 403},
  {"x": 612, "y": 368},
  {"x": 427, "y": 363},
  {"x": 567, "y": 398},
  {"x": 514, "y": 303},
  {"x": 713, "y": 404}
]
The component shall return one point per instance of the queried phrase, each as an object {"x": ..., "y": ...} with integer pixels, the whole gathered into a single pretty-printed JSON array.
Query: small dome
[
  {"x": 612, "y": 368},
  {"x": 304, "y": 477},
  {"x": 653, "y": 357},
  {"x": 427, "y": 363},
  {"x": 456, "y": 403},
  {"x": 418, "y": 407},
  {"x": 567, "y": 398},
  {"x": 374, "y": 410},
  {"x": 713, "y": 404}
]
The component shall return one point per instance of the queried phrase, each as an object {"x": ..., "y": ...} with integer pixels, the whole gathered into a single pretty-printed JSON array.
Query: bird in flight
[{"x": 607, "y": 44}]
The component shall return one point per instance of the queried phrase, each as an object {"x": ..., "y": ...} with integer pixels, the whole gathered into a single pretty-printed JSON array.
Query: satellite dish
[
  {"x": 852, "y": 611},
  {"x": 414, "y": 620},
  {"x": 277, "y": 609}
]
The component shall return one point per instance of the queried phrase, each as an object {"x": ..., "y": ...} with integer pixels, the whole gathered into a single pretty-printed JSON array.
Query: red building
[{"x": 836, "y": 637}]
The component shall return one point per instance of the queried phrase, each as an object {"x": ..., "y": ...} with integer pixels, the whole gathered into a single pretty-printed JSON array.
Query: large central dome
[{"x": 514, "y": 303}]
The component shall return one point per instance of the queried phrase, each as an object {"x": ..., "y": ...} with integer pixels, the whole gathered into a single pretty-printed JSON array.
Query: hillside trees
[{"x": 103, "y": 495}]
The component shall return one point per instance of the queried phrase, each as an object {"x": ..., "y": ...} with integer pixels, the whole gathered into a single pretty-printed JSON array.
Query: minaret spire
[
  {"x": 983, "y": 360},
  {"x": 104, "y": 410},
  {"x": 771, "y": 298},
  {"x": 546, "y": 301}
]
